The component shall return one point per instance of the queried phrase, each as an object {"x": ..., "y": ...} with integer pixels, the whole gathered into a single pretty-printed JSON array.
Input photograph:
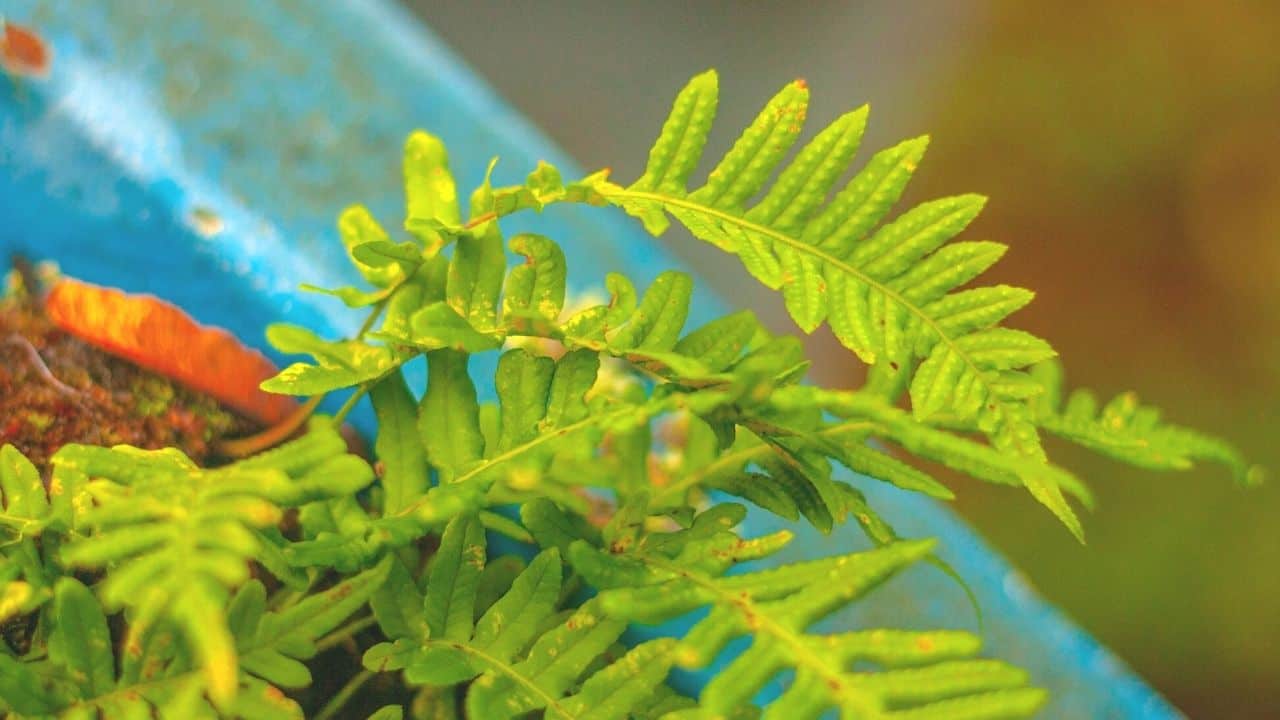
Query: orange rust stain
[
  {"x": 275, "y": 696},
  {"x": 162, "y": 338},
  {"x": 23, "y": 52}
]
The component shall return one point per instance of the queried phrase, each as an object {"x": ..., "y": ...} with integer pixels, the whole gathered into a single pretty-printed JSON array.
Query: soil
[{"x": 56, "y": 389}]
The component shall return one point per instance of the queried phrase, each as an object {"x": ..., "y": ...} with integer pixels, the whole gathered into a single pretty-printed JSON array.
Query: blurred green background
[{"x": 1132, "y": 155}]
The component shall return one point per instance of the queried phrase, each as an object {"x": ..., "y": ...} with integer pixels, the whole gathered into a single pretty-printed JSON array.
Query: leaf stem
[
  {"x": 274, "y": 435},
  {"x": 343, "y": 696},
  {"x": 347, "y": 406},
  {"x": 378, "y": 307}
]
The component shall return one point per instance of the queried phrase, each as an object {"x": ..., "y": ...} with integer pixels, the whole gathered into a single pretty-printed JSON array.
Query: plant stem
[
  {"x": 347, "y": 406},
  {"x": 343, "y": 696},
  {"x": 272, "y": 436},
  {"x": 373, "y": 315}
]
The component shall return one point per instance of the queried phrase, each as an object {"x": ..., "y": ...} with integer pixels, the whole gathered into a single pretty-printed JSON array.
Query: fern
[
  {"x": 667, "y": 575},
  {"x": 135, "y": 584},
  {"x": 522, "y": 656},
  {"x": 81, "y": 677},
  {"x": 1128, "y": 431},
  {"x": 177, "y": 538},
  {"x": 889, "y": 294}
]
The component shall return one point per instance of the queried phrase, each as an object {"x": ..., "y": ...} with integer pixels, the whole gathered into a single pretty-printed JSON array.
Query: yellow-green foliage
[{"x": 398, "y": 571}]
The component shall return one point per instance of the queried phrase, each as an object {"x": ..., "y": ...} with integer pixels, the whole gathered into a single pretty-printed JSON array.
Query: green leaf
[
  {"x": 352, "y": 297},
  {"x": 523, "y": 382},
  {"x": 720, "y": 342},
  {"x": 610, "y": 693},
  {"x": 294, "y": 630},
  {"x": 1128, "y": 431},
  {"x": 884, "y": 291},
  {"x": 881, "y": 466},
  {"x": 575, "y": 375},
  {"x": 21, "y": 489},
  {"x": 774, "y": 607},
  {"x": 554, "y": 663},
  {"x": 953, "y": 377},
  {"x": 449, "y": 417},
  {"x": 385, "y": 253},
  {"x": 398, "y": 445},
  {"x": 538, "y": 285},
  {"x": 397, "y": 605},
  {"x": 245, "y": 611},
  {"x": 439, "y": 326},
  {"x": 771, "y": 493},
  {"x": 679, "y": 147},
  {"x": 81, "y": 644},
  {"x": 277, "y": 669},
  {"x": 339, "y": 364},
  {"x": 656, "y": 323},
  {"x": 21, "y": 690},
  {"x": 554, "y": 528},
  {"x": 966, "y": 311},
  {"x": 742, "y": 172},
  {"x": 507, "y": 628},
  {"x": 429, "y": 188},
  {"x": 475, "y": 276},
  {"x": 496, "y": 580},
  {"x": 177, "y": 538},
  {"x": 867, "y": 198},
  {"x": 357, "y": 227},
  {"x": 455, "y": 570}
]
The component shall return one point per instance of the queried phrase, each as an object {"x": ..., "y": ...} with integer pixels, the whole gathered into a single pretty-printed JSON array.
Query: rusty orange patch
[
  {"x": 23, "y": 52},
  {"x": 158, "y": 336}
]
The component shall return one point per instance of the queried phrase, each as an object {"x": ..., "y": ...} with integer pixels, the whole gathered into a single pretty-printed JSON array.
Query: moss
[
  {"x": 152, "y": 396},
  {"x": 39, "y": 421},
  {"x": 56, "y": 389}
]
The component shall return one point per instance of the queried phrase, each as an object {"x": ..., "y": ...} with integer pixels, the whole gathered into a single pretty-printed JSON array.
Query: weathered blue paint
[{"x": 271, "y": 116}]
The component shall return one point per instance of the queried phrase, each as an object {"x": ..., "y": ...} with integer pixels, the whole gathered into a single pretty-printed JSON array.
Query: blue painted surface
[{"x": 272, "y": 116}]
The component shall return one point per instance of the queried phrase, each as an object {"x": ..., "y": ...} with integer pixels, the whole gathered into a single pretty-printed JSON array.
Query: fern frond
[
  {"x": 81, "y": 677},
  {"x": 889, "y": 294},
  {"x": 888, "y": 423},
  {"x": 925, "y": 674},
  {"x": 176, "y": 537},
  {"x": 1128, "y": 431},
  {"x": 519, "y": 656}
]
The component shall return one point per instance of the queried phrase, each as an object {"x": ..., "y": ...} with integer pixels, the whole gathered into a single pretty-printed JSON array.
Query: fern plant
[{"x": 304, "y": 581}]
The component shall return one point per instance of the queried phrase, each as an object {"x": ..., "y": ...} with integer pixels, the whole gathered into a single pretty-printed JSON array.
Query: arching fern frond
[
  {"x": 885, "y": 289},
  {"x": 888, "y": 291},
  {"x": 918, "y": 674}
]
